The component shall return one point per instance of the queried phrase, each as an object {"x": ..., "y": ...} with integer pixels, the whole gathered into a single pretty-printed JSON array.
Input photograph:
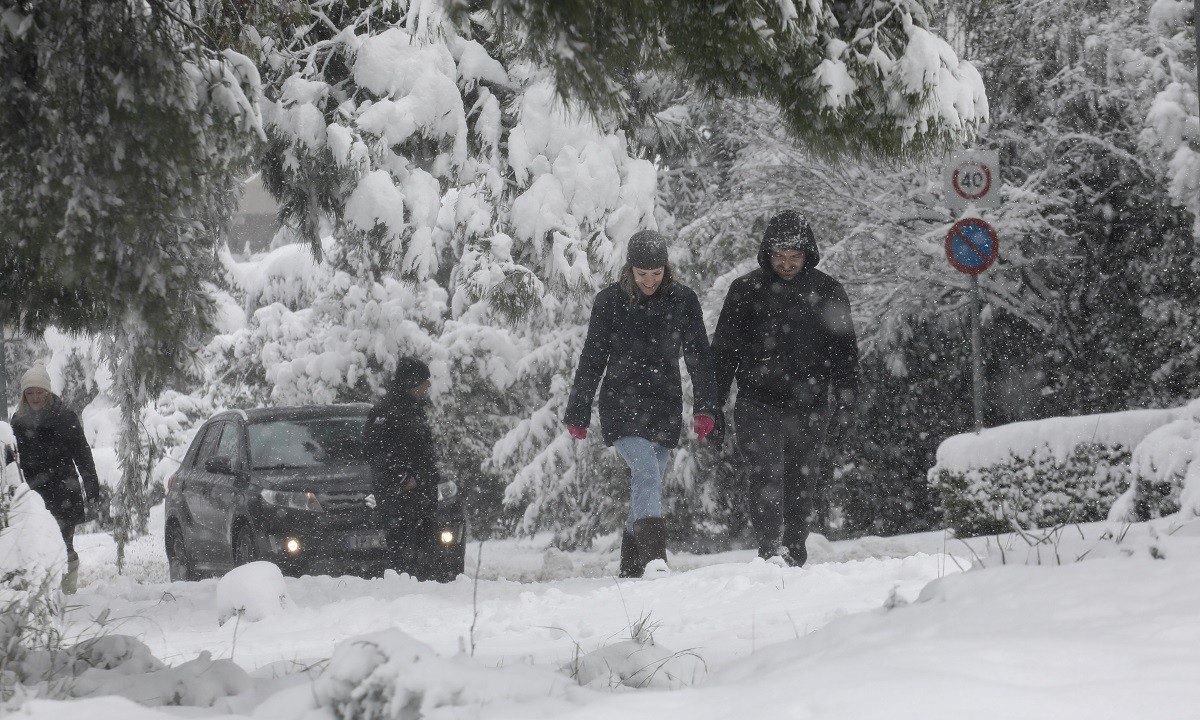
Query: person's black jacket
[
  {"x": 787, "y": 342},
  {"x": 54, "y": 455},
  {"x": 635, "y": 345},
  {"x": 399, "y": 445}
]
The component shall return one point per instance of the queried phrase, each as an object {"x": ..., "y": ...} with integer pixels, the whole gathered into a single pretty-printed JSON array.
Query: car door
[
  {"x": 206, "y": 512},
  {"x": 193, "y": 493},
  {"x": 227, "y": 489}
]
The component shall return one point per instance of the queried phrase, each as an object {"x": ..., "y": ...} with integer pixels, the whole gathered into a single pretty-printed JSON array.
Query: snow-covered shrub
[
  {"x": 1039, "y": 472},
  {"x": 391, "y": 675},
  {"x": 1165, "y": 472},
  {"x": 253, "y": 591},
  {"x": 32, "y": 560},
  {"x": 1037, "y": 490}
]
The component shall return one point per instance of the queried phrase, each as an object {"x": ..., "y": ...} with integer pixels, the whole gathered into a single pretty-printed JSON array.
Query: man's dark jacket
[
  {"x": 53, "y": 448},
  {"x": 787, "y": 341},
  {"x": 635, "y": 345},
  {"x": 399, "y": 444}
]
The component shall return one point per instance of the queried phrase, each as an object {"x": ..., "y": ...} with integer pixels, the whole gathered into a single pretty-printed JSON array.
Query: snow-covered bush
[
  {"x": 1039, "y": 472},
  {"x": 1165, "y": 471},
  {"x": 389, "y": 674},
  {"x": 253, "y": 591},
  {"x": 32, "y": 561},
  {"x": 1035, "y": 490}
]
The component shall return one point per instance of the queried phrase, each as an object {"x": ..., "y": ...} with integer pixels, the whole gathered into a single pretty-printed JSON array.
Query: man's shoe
[{"x": 780, "y": 556}]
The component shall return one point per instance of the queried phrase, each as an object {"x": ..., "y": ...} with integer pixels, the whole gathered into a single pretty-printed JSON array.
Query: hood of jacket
[{"x": 794, "y": 227}]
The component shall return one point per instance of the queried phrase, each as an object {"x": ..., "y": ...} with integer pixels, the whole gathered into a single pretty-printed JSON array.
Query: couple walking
[{"x": 786, "y": 336}]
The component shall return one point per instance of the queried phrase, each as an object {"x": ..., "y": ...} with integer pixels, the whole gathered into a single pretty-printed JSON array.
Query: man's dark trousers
[{"x": 782, "y": 448}]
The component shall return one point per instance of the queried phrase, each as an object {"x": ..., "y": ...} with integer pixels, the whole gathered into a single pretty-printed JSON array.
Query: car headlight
[
  {"x": 295, "y": 500},
  {"x": 447, "y": 490}
]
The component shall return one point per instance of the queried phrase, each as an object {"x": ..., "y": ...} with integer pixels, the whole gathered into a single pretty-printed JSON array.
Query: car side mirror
[{"x": 219, "y": 464}]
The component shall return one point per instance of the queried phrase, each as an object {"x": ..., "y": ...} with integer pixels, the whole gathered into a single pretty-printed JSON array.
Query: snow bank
[
  {"x": 254, "y": 591},
  {"x": 31, "y": 547},
  {"x": 1052, "y": 438}
]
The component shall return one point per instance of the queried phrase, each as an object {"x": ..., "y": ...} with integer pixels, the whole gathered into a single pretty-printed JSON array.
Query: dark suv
[{"x": 291, "y": 485}]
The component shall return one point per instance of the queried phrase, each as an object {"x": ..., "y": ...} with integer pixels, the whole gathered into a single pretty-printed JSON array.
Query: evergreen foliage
[
  {"x": 1034, "y": 492},
  {"x": 850, "y": 78},
  {"x": 122, "y": 137}
]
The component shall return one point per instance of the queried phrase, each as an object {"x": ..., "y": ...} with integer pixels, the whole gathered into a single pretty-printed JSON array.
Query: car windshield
[{"x": 306, "y": 443}]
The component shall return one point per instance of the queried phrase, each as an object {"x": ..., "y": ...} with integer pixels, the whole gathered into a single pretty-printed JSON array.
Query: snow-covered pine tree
[
  {"x": 1171, "y": 138},
  {"x": 121, "y": 135},
  {"x": 850, "y": 78}
]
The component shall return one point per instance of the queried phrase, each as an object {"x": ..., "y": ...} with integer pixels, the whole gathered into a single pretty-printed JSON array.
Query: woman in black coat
[
  {"x": 54, "y": 454},
  {"x": 639, "y": 327},
  {"x": 399, "y": 445}
]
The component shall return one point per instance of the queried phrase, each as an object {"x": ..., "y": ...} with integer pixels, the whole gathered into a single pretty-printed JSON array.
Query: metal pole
[
  {"x": 976, "y": 352},
  {"x": 3, "y": 372}
]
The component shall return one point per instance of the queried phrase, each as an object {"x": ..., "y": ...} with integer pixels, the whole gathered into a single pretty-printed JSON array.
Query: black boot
[
  {"x": 651, "y": 540},
  {"x": 631, "y": 564}
]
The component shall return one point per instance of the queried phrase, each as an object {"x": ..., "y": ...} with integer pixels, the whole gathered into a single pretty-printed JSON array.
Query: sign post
[{"x": 971, "y": 247}]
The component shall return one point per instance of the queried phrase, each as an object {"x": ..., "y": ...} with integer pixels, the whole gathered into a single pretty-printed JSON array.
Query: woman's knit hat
[
  {"x": 647, "y": 250},
  {"x": 36, "y": 377}
]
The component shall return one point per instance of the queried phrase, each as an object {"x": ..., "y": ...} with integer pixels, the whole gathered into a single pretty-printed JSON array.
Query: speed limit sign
[{"x": 973, "y": 178}]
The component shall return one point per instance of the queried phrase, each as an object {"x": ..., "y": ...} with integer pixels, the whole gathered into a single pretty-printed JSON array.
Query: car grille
[{"x": 341, "y": 501}]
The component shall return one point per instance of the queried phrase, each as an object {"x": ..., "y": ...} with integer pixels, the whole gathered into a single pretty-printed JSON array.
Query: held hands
[
  {"x": 579, "y": 433},
  {"x": 703, "y": 425}
]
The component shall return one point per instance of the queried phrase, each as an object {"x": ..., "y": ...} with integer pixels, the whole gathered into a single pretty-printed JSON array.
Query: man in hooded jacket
[
  {"x": 399, "y": 445},
  {"x": 786, "y": 335}
]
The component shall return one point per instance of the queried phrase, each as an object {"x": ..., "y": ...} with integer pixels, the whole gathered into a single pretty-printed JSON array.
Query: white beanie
[{"x": 36, "y": 377}]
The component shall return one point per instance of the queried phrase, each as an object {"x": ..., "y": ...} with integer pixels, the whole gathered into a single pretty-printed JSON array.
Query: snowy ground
[{"x": 873, "y": 628}]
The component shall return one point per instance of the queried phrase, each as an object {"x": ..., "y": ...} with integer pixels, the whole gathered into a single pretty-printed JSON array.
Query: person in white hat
[{"x": 54, "y": 455}]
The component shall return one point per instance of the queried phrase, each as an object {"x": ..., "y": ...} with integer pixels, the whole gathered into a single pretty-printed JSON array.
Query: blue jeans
[{"x": 647, "y": 461}]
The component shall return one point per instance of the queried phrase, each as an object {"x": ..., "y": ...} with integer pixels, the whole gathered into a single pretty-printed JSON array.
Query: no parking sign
[{"x": 972, "y": 246}]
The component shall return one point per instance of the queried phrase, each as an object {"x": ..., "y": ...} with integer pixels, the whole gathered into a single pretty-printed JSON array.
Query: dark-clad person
[
  {"x": 785, "y": 333},
  {"x": 54, "y": 455},
  {"x": 399, "y": 445},
  {"x": 640, "y": 326}
]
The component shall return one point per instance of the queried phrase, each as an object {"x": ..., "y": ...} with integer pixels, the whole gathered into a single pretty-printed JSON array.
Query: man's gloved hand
[
  {"x": 716, "y": 438},
  {"x": 841, "y": 426},
  {"x": 703, "y": 425},
  {"x": 579, "y": 433}
]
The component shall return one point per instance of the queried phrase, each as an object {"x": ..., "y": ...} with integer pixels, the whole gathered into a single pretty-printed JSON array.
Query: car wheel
[
  {"x": 243, "y": 546},
  {"x": 179, "y": 567}
]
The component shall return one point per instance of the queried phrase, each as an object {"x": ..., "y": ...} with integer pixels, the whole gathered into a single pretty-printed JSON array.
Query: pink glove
[
  {"x": 577, "y": 432},
  {"x": 703, "y": 425}
]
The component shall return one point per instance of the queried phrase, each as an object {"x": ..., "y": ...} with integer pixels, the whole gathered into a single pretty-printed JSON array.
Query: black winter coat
[
  {"x": 54, "y": 455},
  {"x": 399, "y": 444},
  {"x": 636, "y": 346},
  {"x": 787, "y": 341}
]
